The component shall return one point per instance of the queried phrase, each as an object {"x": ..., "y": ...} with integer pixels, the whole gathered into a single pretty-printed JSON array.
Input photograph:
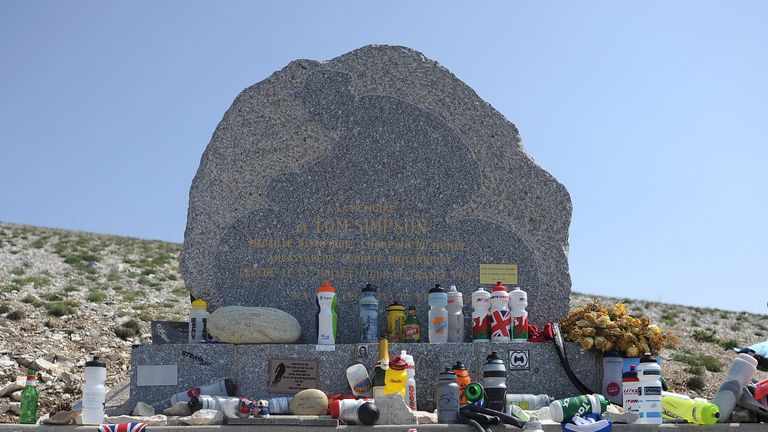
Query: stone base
[{"x": 534, "y": 367}]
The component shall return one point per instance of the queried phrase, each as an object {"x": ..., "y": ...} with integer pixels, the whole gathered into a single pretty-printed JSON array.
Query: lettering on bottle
[{"x": 439, "y": 324}]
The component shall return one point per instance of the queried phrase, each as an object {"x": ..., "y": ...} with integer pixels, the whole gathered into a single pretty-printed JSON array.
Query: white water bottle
[
  {"x": 481, "y": 318},
  {"x": 613, "y": 366},
  {"x": 649, "y": 374},
  {"x": 359, "y": 381},
  {"x": 94, "y": 393},
  {"x": 369, "y": 315},
  {"x": 518, "y": 300},
  {"x": 743, "y": 368},
  {"x": 500, "y": 319},
  {"x": 198, "y": 322},
  {"x": 410, "y": 384},
  {"x": 326, "y": 314},
  {"x": 438, "y": 315},
  {"x": 455, "y": 315}
]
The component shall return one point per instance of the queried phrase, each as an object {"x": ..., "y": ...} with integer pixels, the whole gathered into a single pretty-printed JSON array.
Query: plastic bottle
[
  {"x": 462, "y": 379},
  {"x": 279, "y": 405},
  {"x": 455, "y": 315},
  {"x": 565, "y": 409},
  {"x": 649, "y": 374},
  {"x": 681, "y": 407},
  {"x": 412, "y": 327},
  {"x": 369, "y": 315},
  {"x": 337, "y": 406},
  {"x": 410, "y": 384},
  {"x": 29, "y": 400},
  {"x": 481, "y": 317},
  {"x": 495, "y": 382},
  {"x": 475, "y": 394},
  {"x": 630, "y": 390},
  {"x": 518, "y": 301},
  {"x": 365, "y": 413},
  {"x": 395, "y": 322},
  {"x": 530, "y": 402},
  {"x": 94, "y": 392},
  {"x": 533, "y": 425},
  {"x": 396, "y": 377},
  {"x": 741, "y": 372},
  {"x": 229, "y": 406},
  {"x": 198, "y": 322},
  {"x": 613, "y": 365},
  {"x": 326, "y": 314},
  {"x": 500, "y": 319},
  {"x": 379, "y": 372},
  {"x": 225, "y": 387},
  {"x": 359, "y": 381},
  {"x": 447, "y": 398},
  {"x": 438, "y": 315}
]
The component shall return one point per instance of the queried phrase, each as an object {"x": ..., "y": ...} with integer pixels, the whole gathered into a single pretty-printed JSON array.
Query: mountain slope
[{"x": 66, "y": 296}]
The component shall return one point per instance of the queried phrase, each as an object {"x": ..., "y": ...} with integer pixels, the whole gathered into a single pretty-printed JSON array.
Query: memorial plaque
[
  {"x": 378, "y": 167},
  {"x": 291, "y": 376}
]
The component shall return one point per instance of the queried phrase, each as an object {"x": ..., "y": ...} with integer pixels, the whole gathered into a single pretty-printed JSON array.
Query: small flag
[{"x": 123, "y": 427}]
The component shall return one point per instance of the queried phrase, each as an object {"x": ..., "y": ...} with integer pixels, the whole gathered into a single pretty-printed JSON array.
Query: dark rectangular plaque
[
  {"x": 170, "y": 332},
  {"x": 291, "y": 376}
]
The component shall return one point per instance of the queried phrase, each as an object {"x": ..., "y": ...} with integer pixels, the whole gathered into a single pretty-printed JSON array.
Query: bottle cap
[
  {"x": 647, "y": 358},
  {"x": 199, "y": 304},
  {"x": 459, "y": 366},
  {"x": 452, "y": 288},
  {"x": 397, "y": 363},
  {"x": 499, "y": 287},
  {"x": 612, "y": 354},
  {"x": 474, "y": 392},
  {"x": 230, "y": 386},
  {"x": 396, "y": 306},
  {"x": 96, "y": 362},
  {"x": 195, "y": 404},
  {"x": 412, "y": 308},
  {"x": 31, "y": 374},
  {"x": 326, "y": 287},
  {"x": 494, "y": 357},
  {"x": 368, "y": 414},
  {"x": 437, "y": 289},
  {"x": 369, "y": 288}
]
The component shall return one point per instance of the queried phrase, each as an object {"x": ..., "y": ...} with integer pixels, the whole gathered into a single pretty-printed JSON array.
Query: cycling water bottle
[
  {"x": 518, "y": 300},
  {"x": 649, "y": 374},
  {"x": 410, "y": 385},
  {"x": 326, "y": 314},
  {"x": 481, "y": 318},
  {"x": 455, "y": 315},
  {"x": 740, "y": 373},
  {"x": 94, "y": 392},
  {"x": 369, "y": 315},
  {"x": 500, "y": 319},
  {"x": 495, "y": 382},
  {"x": 438, "y": 315},
  {"x": 447, "y": 398}
]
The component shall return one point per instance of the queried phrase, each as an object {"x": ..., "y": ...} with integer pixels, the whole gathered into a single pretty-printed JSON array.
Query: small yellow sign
[{"x": 492, "y": 273}]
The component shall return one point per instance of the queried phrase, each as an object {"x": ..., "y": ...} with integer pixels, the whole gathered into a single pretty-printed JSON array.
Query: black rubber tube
[
  {"x": 503, "y": 417},
  {"x": 475, "y": 425},
  {"x": 480, "y": 417},
  {"x": 560, "y": 348}
]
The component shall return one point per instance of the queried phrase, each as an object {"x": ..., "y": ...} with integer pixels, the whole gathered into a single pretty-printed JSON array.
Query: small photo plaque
[{"x": 291, "y": 375}]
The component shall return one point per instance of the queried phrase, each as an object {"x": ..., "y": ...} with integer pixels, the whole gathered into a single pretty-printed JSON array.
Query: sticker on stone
[{"x": 519, "y": 360}]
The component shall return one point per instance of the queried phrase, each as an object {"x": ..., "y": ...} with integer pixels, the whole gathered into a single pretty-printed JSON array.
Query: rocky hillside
[{"x": 66, "y": 296}]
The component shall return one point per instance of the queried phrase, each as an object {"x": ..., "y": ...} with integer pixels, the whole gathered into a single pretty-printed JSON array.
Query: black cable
[
  {"x": 560, "y": 348},
  {"x": 480, "y": 417},
  {"x": 475, "y": 425},
  {"x": 503, "y": 417}
]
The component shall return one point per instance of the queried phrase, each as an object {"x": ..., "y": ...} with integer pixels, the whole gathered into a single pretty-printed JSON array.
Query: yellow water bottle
[{"x": 396, "y": 376}]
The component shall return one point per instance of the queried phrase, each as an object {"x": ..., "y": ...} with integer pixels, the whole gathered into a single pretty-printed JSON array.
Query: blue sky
[{"x": 651, "y": 113}]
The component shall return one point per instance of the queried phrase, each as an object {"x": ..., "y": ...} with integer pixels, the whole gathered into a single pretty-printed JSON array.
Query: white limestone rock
[
  {"x": 202, "y": 417},
  {"x": 180, "y": 409},
  {"x": 253, "y": 325},
  {"x": 394, "y": 411},
  {"x": 143, "y": 410}
]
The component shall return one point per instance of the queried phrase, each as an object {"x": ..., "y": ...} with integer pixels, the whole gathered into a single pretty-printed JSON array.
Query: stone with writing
[
  {"x": 379, "y": 166},
  {"x": 253, "y": 325},
  {"x": 309, "y": 402},
  {"x": 394, "y": 411}
]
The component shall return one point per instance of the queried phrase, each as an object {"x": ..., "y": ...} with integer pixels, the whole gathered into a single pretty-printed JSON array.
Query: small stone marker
[{"x": 394, "y": 411}]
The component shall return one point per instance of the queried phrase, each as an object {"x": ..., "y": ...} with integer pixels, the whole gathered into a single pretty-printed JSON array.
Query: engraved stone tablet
[{"x": 379, "y": 167}]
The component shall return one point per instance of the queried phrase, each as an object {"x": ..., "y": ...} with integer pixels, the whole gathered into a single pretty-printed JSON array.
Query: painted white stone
[
  {"x": 143, "y": 410},
  {"x": 253, "y": 325},
  {"x": 202, "y": 417},
  {"x": 180, "y": 409}
]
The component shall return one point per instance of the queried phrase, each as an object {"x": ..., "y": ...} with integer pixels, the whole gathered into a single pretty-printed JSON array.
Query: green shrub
[
  {"x": 51, "y": 296},
  {"x": 707, "y": 335},
  {"x": 124, "y": 333},
  {"x": 133, "y": 325},
  {"x": 728, "y": 344},
  {"x": 113, "y": 276},
  {"x": 695, "y": 383},
  {"x": 18, "y": 271},
  {"x": 29, "y": 299},
  {"x": 60, "y": 308},
  {"x": 180, "y": 292},
  {"x": 710, "y": 363},
  {"x": 16, "y": 315},
  {"x": 695, "y": 370},
  {"x": 4, "y": 308},
  {"x": 96, "y": 296}
]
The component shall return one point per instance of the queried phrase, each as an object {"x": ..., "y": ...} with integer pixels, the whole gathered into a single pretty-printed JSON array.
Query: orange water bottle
[{"x": 462, "y": 379}]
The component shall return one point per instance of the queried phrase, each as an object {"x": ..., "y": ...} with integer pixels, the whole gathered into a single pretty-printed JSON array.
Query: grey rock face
[{"x": 377, "y": 166}]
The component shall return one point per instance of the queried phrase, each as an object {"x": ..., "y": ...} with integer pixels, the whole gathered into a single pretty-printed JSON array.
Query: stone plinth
[{"x": 535, "y": 366}]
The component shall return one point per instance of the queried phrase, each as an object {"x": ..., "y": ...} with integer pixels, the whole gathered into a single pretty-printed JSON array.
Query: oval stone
[
  {"x": 253, "y": 325},
  {"x": 309, "y": 402}
]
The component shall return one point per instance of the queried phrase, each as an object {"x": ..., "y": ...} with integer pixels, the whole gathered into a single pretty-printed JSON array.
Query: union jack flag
[
  {"x": 123, "y": 427},
  {"x": 500, "y": 321}
]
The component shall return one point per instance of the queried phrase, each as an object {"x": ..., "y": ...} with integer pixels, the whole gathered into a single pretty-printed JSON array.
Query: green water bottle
[{"x": 29, "y": 400}]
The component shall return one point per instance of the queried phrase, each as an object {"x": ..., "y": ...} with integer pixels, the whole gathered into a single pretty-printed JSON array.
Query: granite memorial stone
[{"x": 377, "y": 166}]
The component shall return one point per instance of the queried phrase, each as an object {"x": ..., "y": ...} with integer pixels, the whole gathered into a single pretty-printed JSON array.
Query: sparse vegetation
[
  {"x": 706, "y": 335},
  {"x": 29, "y": 299},
  {"x": 61, "y": 308},
  {"x": 4, "y": 308},
  {"x": 709, "y": 363},
  {"x": 696, "y": 383},
  {"x": 96, "y": 296},
  {"x": 128, "y": 329},
  {"x": 729, "y": 343},
  {"x": 16, "y": 315},
  {"x": 695, "y": 370}
]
